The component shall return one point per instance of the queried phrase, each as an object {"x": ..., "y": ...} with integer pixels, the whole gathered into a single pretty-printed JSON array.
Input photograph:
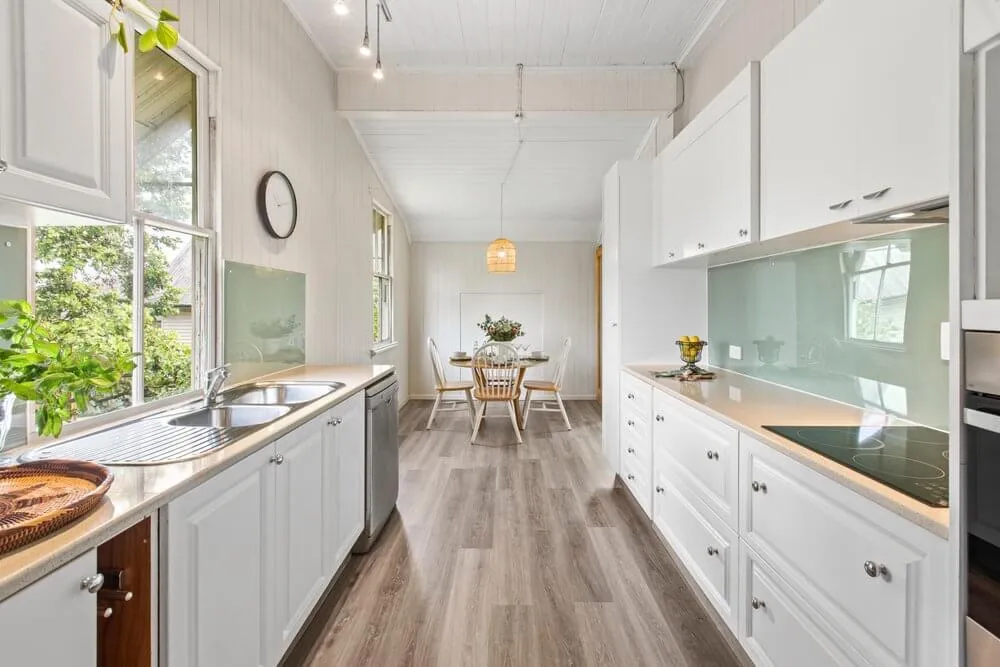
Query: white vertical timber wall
[{"x": 277, "y": 110}]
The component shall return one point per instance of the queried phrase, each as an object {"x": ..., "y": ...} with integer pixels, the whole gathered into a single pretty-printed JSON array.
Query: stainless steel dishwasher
[{"x": 381, "y": 458}]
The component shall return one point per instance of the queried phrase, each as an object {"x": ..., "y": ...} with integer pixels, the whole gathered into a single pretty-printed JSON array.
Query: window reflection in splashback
[
  {"x": 14, "y": 285},
  {"x": 858, "y": 322},
  {"x": 264, "y": 320}
]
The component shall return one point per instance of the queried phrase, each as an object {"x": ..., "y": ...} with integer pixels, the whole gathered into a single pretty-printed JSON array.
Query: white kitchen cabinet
[
  {"x": 300, "y": 577},
  {"x": 219, "y": 577},
  {"x": 982, "y": 22},
  {"x": 53, "y": 621},
  {"x": 641, "y": 306},
  {"x": 708, "y": 548},
  {"x": 881, "y": 580},
  {"x": 778, "y": 629},
  {"x": 63, "y": 108},
  {"x": 854, "y": 113},
  {"x": 344, "y": 480},
  {"x": 708, "y": 183},
  {"x": 700, "y": 452},
  {"x": 636, "y": 436}
]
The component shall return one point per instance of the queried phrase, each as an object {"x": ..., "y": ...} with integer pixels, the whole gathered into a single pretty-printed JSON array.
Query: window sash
[{"x": 382, "y": 277}]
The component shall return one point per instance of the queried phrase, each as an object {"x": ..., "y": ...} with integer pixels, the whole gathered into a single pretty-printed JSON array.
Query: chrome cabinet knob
[
  {"x": 93, "y": 583},
  {"x": 277, "y": 459},
  {"x": 757, "y": 603},
  {"x": 670, "y": 255},
  {"x": 712, "y": 551},
  {"x": 712, "y": 455},
  {"x": 873, "y": 569},
  {"x": 630, "y": 422},
  {"x": 631, "y": 450},
  {"x": 760, "y": 487},
  {"x": 335, "y": 422},
  {"x": 659, "y": 418},
  {"x": 630, "y": 396},
  {"x": 631, "y": 477},
  {"x": 701, "y": 246},
  {"x": 660, "y": 489},
  {"x": 3, "y": 166},
  {"x": 614, "y": 325}
]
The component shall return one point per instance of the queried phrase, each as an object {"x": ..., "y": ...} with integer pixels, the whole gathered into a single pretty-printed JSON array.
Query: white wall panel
[
  {"x": 277, "y": 110},
  {"x": 562, "y": 273}
]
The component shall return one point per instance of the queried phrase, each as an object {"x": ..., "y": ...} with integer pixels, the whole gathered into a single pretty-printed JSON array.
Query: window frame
[
  {"x": 849, "y": 278},
  {"x": 389, "y": 342},
  {"x": 206, "y": 339}
]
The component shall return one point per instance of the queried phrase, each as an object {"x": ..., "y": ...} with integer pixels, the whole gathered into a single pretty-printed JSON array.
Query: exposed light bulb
[
  {"x": 340, "y": 8},
  {"x": 502, "y": 254},
  {"x": 366, "y": 49},
  {"x": 378, "y": 74}
]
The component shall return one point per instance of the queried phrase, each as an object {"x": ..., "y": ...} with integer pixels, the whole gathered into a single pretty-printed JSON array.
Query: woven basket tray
[{"x": 40, "y": 498}]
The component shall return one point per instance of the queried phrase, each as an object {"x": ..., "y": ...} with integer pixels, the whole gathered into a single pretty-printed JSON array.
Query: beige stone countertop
[
  {"x": 138, "y": 491},
  {"x": 747, "y": 404}
]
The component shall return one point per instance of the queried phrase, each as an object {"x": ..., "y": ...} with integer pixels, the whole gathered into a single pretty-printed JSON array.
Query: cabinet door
[
  {"x": 218, "y": 581},
  {"x": 667, "y": 218},
  {"x": 300, "y": 576},
  {"x": 904, "y": 131},
  {"x": 52, "y": 621},
  {"x": 807, "y": 123},
  {"x": 610, "y": 314},
  {"x": 63, "y": 103},
  {"x": 344, "y": 481}
]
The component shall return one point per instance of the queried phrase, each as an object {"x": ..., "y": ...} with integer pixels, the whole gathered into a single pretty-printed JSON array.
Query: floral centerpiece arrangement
[{"x": 501, "y": 330}]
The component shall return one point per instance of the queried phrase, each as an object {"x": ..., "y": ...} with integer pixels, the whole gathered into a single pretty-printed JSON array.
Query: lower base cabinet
[
  {"x": 775, "y": 627},
  {"x": 52, "y": 621},
  {"x": 250, "y": 552}
]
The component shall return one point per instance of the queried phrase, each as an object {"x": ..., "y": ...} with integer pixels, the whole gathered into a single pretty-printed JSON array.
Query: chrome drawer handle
[
  {"x": 277, "y": 459},
  {"x": 757, "y": 603},
  {"x": 712, "y": 455},
  {"x": 712, "y": 551},
  {"x": 93, "y": 583},
  {"x": 660, "y": 489},
  {"x": 876, "y": 195},
  {"x": 841, "y": 206},
  {"x": 873, "y": 569},
  {"x": 760, "y": 487},
  {"x": 631, "y": 477},
  {"x": 335, "y": 422}
]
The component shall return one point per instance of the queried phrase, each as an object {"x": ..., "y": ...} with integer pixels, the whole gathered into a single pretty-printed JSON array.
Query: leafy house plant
[
  {"x": 160, "y": 32},
  {"x": 60, "y": 380},
  {"x": 501, "y": 330}
]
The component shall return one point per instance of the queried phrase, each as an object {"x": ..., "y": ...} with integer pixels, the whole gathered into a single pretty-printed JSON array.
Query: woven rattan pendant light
[{"x": 501, "y": 255}]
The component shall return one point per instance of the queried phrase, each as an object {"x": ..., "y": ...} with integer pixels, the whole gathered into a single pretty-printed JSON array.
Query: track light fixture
[
  {"x": 519, "y": 112},
  {"x": 366, "y": 49},
  {"x": 340, "y": 8},
  {"x": 378, "y": 74}
]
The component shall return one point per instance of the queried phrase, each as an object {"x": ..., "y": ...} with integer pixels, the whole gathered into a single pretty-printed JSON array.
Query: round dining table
[{"x": 523, "y": 364}]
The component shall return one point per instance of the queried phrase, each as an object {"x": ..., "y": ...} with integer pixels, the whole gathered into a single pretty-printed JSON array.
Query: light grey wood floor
[{"x": 505, "y": 554}]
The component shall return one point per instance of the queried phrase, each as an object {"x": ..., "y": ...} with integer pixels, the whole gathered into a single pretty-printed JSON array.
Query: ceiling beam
[{"x": 546, "y": 91}]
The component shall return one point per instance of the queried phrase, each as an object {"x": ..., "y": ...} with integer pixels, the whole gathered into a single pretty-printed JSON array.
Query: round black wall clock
[{"x": 277, "y": 205}]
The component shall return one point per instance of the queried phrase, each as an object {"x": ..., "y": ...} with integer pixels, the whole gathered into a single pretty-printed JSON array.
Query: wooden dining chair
[
  {"x": 496, "y": 374},
  {"x": 443, "y": 387},
  {"x": 553, "y": 386}
]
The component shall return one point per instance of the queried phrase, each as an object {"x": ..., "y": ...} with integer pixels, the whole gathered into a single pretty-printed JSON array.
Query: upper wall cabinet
[
  {"x": 707, "y": 178},
  {"x": 982, "y": 22},
  {"x": 854, "y": 113},
  {"x": 63, "y": 107}
]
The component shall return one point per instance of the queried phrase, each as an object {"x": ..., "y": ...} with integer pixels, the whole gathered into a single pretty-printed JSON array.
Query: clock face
[{"x": 276, "y": 204}]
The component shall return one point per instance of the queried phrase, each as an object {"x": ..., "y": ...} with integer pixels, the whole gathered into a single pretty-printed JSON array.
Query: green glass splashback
[
  {"x": 858, "y": 322},
  {"x": 264, "y": 320}
]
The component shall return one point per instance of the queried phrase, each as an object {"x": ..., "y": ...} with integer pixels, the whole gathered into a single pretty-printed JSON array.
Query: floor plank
[{"x": 511, "y": 555}]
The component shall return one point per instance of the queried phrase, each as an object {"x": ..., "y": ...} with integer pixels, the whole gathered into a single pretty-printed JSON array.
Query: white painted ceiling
[
  {"x": 445, "y": 173},
  {"x": 502, "y": 33}
]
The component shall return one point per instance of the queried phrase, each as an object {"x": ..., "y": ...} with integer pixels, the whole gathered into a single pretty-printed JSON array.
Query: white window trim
[{"x": 393, "y": 341}]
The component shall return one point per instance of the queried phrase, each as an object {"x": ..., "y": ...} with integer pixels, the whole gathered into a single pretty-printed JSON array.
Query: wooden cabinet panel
[
  {"x": 219, "y": 585},
  {"x": 300, "y": 577},
  {"x": 52, "y": 620},
  {"x": 63, "y": 119},
  {"x": 126, "y": 638}
]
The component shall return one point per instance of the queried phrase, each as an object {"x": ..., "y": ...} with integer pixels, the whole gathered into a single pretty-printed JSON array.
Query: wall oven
[{"x": 982, "y": 419}]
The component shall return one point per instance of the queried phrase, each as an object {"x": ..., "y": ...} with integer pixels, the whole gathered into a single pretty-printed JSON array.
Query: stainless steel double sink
[{"x": 255, "y": 404}]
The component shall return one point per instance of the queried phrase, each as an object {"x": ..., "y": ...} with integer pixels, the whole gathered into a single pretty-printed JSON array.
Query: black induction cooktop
[{"x": 911, "y": 459}]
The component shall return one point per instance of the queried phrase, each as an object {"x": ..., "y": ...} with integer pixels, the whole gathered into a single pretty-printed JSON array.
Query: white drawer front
[
  {"x": 637, "y": 394},
  {"x": 708, "y": 548},
  {"x": 836, "y": 547},
  {"x": 776, "y": 629},
  {"x": 638, "y": 478},
  {"x": 636, "y": 425},
  {"x": 637, "y": 450},
  {"x": 706, "y": 450}
]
